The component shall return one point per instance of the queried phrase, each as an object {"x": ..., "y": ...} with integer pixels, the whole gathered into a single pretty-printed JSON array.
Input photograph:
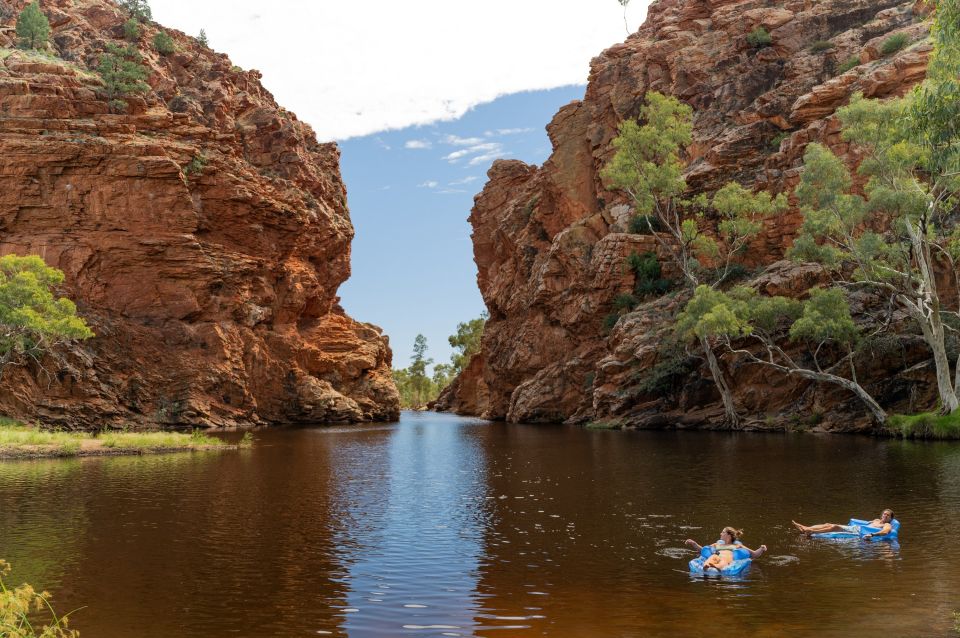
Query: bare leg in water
[{"x": 823, "y": 528}]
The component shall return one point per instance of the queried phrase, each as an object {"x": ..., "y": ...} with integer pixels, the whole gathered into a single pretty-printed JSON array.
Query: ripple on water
[
  {"x": 674, "y": 552},
  {"x": 780, "y": 561}
]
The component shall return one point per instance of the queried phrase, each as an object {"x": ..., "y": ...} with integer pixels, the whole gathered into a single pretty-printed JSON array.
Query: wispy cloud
[
  {"x": 462, "y": 141},
  {"x": 486, "y": 157},
  {"x": 450, "y": 191},
  {"x": 464, "y": 180},
  {"x": 482, "y": 150},
  {"x": 456, "y": 155},
  {"x": 418, "y": 144},
  {"x": 507, "y": 131},
  {"x": 429, "y": 184}
]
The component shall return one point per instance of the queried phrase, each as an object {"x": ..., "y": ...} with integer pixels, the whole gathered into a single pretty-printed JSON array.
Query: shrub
[
  {"x": 163, "y": 43},
  {"x": 643, "y": 224},
  {"x": 131, "y": 30},
  {"x": 894, "y": 43},
  {"x": 664, "y": 376},
  {"x": 122, "y": 72},
  {"x": 821, "y": 45},
  {"x": 196, "y": 165},
  {"x": 33, "y": 28},
  {"x": 778, "y": 138},
  {"x": 610, "y": 321},
  {"x": 139, "y": 9},
  {"x": 648, "y": 279},
  {"x": 202, "y": 39},
  {"x": 17, "y": 610},
  {"x": 852, "y": 62},
  {"x": 759, "y": 38},
  {"x": 625, "y": 302}
]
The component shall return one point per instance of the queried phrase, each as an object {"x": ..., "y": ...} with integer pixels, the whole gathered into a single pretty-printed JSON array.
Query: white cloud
[
  {"x": 487, "y": 157},
  {"x": 462, "y": 141},
  {"x": 353, "y": 68},
  {"x": 464, "y": 180},
  {"x": 418, "y": 144},
  {"x": 513, "y": 131},
  {"x": 429, "y": 184},
  {"x": 456, "y": 155}
]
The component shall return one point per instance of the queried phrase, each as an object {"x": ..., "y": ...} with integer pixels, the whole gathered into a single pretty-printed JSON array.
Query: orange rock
[{"x": 203, "y": 233}]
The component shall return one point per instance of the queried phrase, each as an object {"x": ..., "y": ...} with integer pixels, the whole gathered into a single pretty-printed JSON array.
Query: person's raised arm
[
  {"x": 694, "y": 544},
  {"x": 756, "y": 553},
  {"x": 886, "y": 529}
]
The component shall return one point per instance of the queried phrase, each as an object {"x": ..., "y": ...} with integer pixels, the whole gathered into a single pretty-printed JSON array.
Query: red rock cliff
[
  {"x": 549, "y": 242},
  {"x": 203, "y": 232}
]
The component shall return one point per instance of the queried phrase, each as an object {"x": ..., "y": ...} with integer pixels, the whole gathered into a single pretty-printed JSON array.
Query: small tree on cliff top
[
  {"x": 466, "y": 342},
  {"x": 122, "y": 72},
  {"x": 32, "y": 319},
  {"x": 704, "y": 237},
  {"x": 33, "y": 28},
  {"x": 139, "y": 9}
]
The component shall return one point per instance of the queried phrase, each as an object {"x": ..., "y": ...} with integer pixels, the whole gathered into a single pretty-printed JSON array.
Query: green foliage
[
  {"x": 778, "y": 138},
  {"x": 759, "y": 38},
  {"x": 415, "y": 387},
  {"x": 894, "y": 43},
  {"x": 466, "y": 342},
  {"x": 196, "y": 165},
  {"x": 122, "y": 72},
  {"x": 825, "y": 317},
  {"x": 32, "y": 319},
  {"x": 648, "y": 279},
  {"x": 852, "y": 62},
  {"x": 647, "y": 161},
  {"x": 645, "y": 225},
  {"x": 33, "y": 28},
  {"x": 138, "y": 9},
  {"x": 202, "y": 39},
  {"x": 163, "y": 43},
  {"x": 822, "y": 45},
  {"x": 131, "y": 30},
  {"x": 664, "y": 378},
  {"x": 19, "y": 608},
  {"x": 610, "y": 322},
  {"x": 926, "y": 425}
]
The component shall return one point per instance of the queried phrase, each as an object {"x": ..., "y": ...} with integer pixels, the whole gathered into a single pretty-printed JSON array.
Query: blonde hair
[{"x": 736, "y": 533}]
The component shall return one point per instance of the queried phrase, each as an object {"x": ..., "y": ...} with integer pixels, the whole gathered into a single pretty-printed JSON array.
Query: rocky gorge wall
[
  {"x": 550, "y": 245},
  {"x": 203, "y": 233}
]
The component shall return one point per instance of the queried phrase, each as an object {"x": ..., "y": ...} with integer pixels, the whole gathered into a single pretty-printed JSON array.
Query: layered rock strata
[
  {"x": 203, "y": 232},
  {"x": 549, "y": 241}
]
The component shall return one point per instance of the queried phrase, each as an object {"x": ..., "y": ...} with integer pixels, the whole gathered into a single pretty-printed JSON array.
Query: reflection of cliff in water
[
  {"x": 255, "y": 535},
  {"x": 42, "y": 522},
  {"x": 587, "y": 528}
]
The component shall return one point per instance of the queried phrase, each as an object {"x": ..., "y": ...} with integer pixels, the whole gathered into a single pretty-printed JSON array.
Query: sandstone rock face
[
  {"x": 203, "y": 232},
  {"x": 549, "y": 241}
]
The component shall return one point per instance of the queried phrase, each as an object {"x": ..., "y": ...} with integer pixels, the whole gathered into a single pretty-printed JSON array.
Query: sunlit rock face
[
  {"x": 203, "y": 232},
  {"x": 549, "y": 241}
]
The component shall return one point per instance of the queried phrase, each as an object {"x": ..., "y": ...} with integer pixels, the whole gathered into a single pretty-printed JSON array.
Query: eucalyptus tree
[
  {"x": 32, "y": 27},
  {"x": 704, "y": 236}
]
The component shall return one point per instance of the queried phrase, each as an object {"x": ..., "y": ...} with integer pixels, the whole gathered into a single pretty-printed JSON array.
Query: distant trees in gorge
[{"x": 415, "y": 386}]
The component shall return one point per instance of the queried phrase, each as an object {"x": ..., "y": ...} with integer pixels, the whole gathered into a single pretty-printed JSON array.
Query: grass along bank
[
  {"x": 926, "y": 425},
  {"x": 23, "y": 441}
]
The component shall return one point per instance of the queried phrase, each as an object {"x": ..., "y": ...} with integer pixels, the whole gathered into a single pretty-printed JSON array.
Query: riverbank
[{"x": 20, "y": 441}]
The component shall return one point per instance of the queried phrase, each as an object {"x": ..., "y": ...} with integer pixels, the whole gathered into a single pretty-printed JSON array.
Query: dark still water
[{"x": 442, "y": 526}]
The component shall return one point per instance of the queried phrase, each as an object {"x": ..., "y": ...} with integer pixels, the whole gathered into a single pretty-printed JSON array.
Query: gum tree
[
  {"x": 33, "y": 320},
  {"x": 703, "y": 236},
  {"x": 33, "y": 28}
]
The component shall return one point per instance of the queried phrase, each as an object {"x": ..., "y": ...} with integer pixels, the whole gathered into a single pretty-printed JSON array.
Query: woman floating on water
[{"x": 723, "y": 550}]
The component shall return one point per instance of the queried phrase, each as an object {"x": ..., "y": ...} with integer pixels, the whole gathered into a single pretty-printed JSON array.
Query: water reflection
[{"x": 446, "y": 526}]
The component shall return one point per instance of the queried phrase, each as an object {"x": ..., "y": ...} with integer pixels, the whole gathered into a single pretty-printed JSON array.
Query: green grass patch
[
  {"x": 821, "y": 45},
  {"x": 894, "y": 43},
  {"x": 604, "y": 425},
  {"x": 20, "y": 440},
  {"x": 926, "y": 425},
  {"x": 158, "y": 440},
  {"x": 852, "y": 62}
]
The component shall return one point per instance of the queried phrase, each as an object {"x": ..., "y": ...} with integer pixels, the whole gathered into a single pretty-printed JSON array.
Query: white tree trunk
[{"x": 720, "y": 381}]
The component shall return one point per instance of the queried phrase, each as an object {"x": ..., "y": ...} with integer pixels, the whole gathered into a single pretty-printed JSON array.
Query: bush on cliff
[
  {"x": 466, "y": 343},
  {"x": 122, "y": 72},
  {"x": 138, "y": 9},
  {"x": 33, "y": 28},
  {"x": 131, "y": 30},
  {"x": 894, "y": 43},
  {"x": 163, "y": 43},
  {"x": 33, "y": 320},
  {"x": 759, "y": 38}
]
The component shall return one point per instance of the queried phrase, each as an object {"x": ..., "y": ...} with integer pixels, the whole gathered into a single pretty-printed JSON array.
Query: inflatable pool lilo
[
  {"x": 858, "y": 528},
  {"x": 741, "y": 560}
]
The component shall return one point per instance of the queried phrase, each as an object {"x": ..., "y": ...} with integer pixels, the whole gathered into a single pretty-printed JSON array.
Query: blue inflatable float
[
  {"x": 858, "y": 528},
  {"x": 741, "y": 560}
]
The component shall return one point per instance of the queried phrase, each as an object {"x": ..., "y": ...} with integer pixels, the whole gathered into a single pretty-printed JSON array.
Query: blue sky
[{"x": 410, "y": 192}]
